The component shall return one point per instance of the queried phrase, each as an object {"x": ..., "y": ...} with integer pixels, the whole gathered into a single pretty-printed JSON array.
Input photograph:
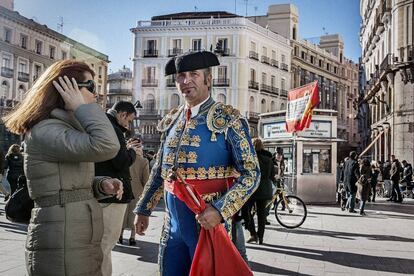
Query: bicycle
[{"x": 290, "y": 210}]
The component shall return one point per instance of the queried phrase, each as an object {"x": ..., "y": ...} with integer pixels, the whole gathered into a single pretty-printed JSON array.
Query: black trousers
[
  {"x": 13, "y": 183},
  {"x": 261, "y": 218},
  {"x": 396, "y": 193}
]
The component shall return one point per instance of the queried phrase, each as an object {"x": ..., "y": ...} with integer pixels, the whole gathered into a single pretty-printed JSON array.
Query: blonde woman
[{"x": 65, "y": 133}]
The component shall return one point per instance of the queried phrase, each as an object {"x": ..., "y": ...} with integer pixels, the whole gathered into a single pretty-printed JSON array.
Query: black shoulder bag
[{"x": 19, "y": 207}]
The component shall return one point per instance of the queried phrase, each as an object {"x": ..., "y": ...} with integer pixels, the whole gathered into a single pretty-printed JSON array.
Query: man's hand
[
  {"x": 209, "y": 218},
  {"x": 141, "y": 224},
  {"x": 113, "y": 186}
]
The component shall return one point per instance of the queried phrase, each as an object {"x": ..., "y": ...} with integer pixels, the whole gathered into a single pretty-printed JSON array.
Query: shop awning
[{"x": 372, "y": 143}]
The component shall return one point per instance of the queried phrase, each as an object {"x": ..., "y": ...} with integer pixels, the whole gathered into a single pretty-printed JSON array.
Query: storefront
[{"x": 316, "y": 148}]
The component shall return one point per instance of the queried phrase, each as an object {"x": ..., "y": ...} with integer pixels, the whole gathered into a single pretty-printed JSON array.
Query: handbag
[{"x": 19, "y": 207}]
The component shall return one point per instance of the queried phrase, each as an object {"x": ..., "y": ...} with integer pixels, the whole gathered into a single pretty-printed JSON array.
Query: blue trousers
[{"x": 179, "y": 238}]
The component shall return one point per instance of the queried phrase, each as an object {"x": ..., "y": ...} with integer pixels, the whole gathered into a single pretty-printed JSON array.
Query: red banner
[{"x": 301, "y": 102}]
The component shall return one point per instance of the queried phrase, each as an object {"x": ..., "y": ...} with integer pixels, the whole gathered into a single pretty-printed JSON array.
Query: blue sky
[{"x": 104, "y": 24}]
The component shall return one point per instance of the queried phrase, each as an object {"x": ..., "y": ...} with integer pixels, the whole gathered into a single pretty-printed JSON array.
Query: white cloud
[{"x": 89, "y": 39}]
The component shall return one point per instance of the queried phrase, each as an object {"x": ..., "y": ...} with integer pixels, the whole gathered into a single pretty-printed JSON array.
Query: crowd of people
[{"x": 358, "y": 179}]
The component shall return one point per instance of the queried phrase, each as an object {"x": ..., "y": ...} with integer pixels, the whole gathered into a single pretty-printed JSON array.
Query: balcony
[
  {"x": 274, "y": 90},
  {"x": 284, "y": 66},
  {"x": 6, "y": 72},
  {"x": 223, "y": 52},
  {"x": 253, "y": 115},
  {"x": 151, "y": 53},
  {"x": 253, "y": 55},
  {"x": 221, "y": 82},
  {"x": 265, "y": 88},
  {"x": 170, "y": 82},
  {"x": 274, "y": 63},
  {"x": 21, "y": 76},
  {"x": 174, "y": 52},
  {"x": 119, "y": 91},
  {"x": 283, "y": 92},
  {"x": 254, "y": 85},
  {"x": 265, "y": 60},
  {"x": 149, "y": 83}
]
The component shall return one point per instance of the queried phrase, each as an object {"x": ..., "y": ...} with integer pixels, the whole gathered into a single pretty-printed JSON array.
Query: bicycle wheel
[{"x": 293, "y": 214}]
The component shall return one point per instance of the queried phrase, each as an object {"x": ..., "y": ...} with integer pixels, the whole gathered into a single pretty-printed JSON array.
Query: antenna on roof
[
  {"x": 195, "y": 8},
  {"x": 60, "y": 24},
  {"x": 324, "y": 30},
  {"x": 246, "y": 1}
]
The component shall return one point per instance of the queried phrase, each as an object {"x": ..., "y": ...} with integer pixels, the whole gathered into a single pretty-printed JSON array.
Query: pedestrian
[
  {"x": 375, "y": 171},
  {"x": 395, "y": 178},
  {"x": 351, "y": 176},
  {"x": 339, "y": 180},
  {"x": 364, "y": 185},
  {"x": 263, "y": 194},
  {"x": 65, "y": 132},
  {"x": 139, "y": 171},
  {"x": 279, "y": 166},
  {"x": 120, "y": 115},
  {"x": 13, "y": 166},
  {"x": 407, "y": 175},
  {"x": 204, "y": 142},
  {"x": 3, "y": 189}
]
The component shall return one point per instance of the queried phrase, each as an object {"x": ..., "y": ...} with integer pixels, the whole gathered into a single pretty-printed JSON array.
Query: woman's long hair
[
  {"x": 13, "y": 149},
  {"x": 43, "y": 97}
]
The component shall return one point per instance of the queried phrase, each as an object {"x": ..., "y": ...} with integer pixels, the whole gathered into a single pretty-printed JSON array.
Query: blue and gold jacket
[{"x": 215, "y": 144}]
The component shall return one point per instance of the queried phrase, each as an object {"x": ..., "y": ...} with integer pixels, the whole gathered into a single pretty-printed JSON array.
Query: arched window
[
  {"x": 175, "y": 100},
  {"x": 221, "y": 98},
  {"x": 263, "y": 106},
  {"x": 272, "y": 106},
  {"x": 5, "y": 89},
  {"x": 282, "y": 106},
  {"x": 150, "y": 102},
  {"x": 21, "y": 90},
  {"x": 251, "y": 104}
]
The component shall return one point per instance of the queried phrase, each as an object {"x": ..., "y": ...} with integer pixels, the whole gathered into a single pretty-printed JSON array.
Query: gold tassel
[{"x": 213, "y": 137}]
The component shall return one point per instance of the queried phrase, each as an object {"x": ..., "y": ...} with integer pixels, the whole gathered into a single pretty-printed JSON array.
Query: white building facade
[
  {"x": 386, "y": 37},
  {"x": 250, "y": 76}
]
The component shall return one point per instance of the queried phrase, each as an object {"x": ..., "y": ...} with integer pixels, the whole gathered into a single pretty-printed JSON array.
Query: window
[
  {"x": 328, "y": 67},
  {"x": 196, "y": 44},
  {"x": 264, "y": 51},
  {"x": 252, "y": 46},
  {"x": 264, "y": 78},
  {"x": 316, "y": 160},
  {"x": 99, "y": 89},
  {"x": 37, "y": 71},
  {"x": 151, "y": 45},
  {"x": 52, "y": 52},
  {"x": 252, "y": 75},
  {"x": 283, "y": 84},
  {"x": 5, "y": 89},
  {"x": 150, "y": 73},
  {"x": 64, "y": 55},
  {"x": 274, "y": 55},
  {"x": 7, "y": 35},
  {"x": 224, "y": 43},
  {"x": 23, "y": 66},
  {"x": 23, "y": 41},
  {"x": 283, "y": 59},
  {"x": 175, "y": 100},
  {"x": 222, "y": 72},
  {"x": 176, "y": 43},
  {"x": 320, "y": 63},
  {"x": 312, "y": 59},
  {"x": 296, "y": 51},
  {"x": 39, "y": 47},
  {"x": 335, "y": 70},
  {"x": 6, "y": 61},
  {"x": 263, "y": 106},
  {"x": 221, "y": 98},
  {"x": 303, "y": 55},
  {"x": 273, "y": 81},
  {"x": 99, "y": 72}
]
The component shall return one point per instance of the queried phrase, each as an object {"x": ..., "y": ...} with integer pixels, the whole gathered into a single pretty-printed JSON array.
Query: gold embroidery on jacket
[
  {"x": 155, "y": 198},
  {"x": 192, "y": 157}
]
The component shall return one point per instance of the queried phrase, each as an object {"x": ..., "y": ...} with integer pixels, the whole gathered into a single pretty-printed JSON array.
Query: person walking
[
  {"x": 139, "y": 171},
  {"x": 263, "y": 194},
  {"x": 364, "y": 185},
  {"x": 13, "y": 166},
  {"x": 65, "y": 132},
  {"x": 203, "y": 142},
  {"x": 120, "y": 115},
  {"x": 375, "y": 170},
  {"x": 395, "y": 178},
  {"x": 351, "y": 176}
]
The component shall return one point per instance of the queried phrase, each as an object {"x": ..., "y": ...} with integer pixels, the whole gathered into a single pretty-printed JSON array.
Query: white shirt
[{"x": 195, "y": 109}]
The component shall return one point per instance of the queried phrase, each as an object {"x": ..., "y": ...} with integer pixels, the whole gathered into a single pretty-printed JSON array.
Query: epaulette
[
  {"x": 169, "y": 119},
  {"x": 220, "y": 117}
]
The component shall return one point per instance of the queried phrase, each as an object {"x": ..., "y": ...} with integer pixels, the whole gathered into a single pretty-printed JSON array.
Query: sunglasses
[{"x": 90, "y": 85}]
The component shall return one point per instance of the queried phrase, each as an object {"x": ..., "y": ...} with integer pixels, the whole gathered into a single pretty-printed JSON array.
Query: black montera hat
[{"x": 191, "y": 61}]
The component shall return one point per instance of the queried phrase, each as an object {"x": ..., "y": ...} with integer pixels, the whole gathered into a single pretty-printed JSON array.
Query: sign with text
[{"x": 317, "y": 129}]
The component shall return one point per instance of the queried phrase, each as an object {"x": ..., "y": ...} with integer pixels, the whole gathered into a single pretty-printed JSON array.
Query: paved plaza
[{"x": 330, "y": 242}]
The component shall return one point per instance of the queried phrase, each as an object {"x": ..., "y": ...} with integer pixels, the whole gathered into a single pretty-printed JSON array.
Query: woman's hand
[
  {"x": 70, "y": 93},
  {"x": 113, "y": 186}
]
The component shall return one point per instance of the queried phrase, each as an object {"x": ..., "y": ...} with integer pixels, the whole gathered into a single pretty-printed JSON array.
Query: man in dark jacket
[
  {"x": 395, "y": 178},
  {"x": 351, "y": 176},
  {"x": 120, "y": 115}
]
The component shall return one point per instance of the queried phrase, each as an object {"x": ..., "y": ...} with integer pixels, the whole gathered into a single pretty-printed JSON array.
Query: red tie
[{"x": 188, "y": 114}]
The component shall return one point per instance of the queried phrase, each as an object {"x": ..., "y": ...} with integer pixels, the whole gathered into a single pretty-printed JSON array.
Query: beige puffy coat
[{"x": 60, "y": 155}]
